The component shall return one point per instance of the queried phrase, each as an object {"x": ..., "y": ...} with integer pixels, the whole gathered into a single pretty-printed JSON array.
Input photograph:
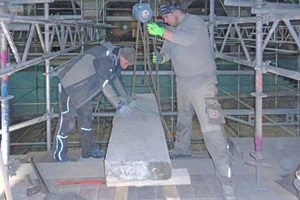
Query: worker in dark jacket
[{"x": 81, "y": 79}]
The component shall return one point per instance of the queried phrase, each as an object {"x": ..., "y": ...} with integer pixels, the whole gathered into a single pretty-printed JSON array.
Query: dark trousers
[{"x": 66, "y": 124}]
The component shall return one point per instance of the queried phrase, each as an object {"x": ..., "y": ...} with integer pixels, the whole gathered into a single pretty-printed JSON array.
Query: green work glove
[
  {"x": 154, "y": 29},
  {"x": 158, "y": 58}
]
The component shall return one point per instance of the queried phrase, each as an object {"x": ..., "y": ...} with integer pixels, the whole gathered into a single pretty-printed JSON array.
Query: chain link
[
  {"x": 135, "y": 63},
  {"x": 145, "y": 38}
]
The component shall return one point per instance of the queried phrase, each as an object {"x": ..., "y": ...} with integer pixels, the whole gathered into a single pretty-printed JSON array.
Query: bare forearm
[{"x": 168, "y": 35}]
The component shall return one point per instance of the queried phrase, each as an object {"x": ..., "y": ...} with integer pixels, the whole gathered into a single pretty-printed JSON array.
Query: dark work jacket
[{"x": 85, "y": 76}]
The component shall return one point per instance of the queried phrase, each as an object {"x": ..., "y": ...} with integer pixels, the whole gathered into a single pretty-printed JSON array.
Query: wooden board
[
  {"x": 179, "y": 177},
  {"x": 121, "y": 193},
  {"x": 170, "y": 192}
]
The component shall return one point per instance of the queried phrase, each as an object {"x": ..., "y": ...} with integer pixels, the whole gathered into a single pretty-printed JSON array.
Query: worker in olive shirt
[
  {"x": 83, "y": 78},
  {"x": 187, "y": 45}
]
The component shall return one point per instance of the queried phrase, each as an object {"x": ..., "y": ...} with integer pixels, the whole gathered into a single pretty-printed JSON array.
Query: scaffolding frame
[
  {"x": 79, "y": 32},
  {"x": 265, "y": 12},
  {"x": 83, "y": 32}
]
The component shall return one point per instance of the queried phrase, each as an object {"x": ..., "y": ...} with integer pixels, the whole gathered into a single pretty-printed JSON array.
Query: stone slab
[
  {"x": 179, "y": 177},
  {"x": 137, "y": 147}
]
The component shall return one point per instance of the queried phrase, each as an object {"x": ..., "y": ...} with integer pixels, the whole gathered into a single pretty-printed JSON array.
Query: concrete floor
[{"x": 204, "y": 184}]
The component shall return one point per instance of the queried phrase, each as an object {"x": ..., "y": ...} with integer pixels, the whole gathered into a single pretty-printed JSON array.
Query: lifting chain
[
  {"x": 145, "y": 38},
  {"x": 135, "y": 63}
]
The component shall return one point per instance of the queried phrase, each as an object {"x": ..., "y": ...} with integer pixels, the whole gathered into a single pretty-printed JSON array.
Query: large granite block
[{"x": 137, "y": 147}]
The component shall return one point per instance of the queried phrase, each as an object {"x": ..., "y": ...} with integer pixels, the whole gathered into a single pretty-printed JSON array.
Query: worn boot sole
[
  {"x": 93, "y": 156},
  {"x": 174, "y": 156}
]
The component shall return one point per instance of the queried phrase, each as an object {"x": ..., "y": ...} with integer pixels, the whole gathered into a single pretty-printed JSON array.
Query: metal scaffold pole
[
  {"x": 48, "y": 86},
  {"x": 258, "y": 86},
  {"x": 259, "y": 95},
  {"x": 211, "y": 25},
  {"x": 5, "y": 142}
]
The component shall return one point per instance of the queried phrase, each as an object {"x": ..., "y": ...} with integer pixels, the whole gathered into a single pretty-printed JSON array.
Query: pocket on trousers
[{"x": 214, "y": 111}]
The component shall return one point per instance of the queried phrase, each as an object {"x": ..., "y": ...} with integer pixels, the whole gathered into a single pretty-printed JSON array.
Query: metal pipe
[
  {"x": 39, "y": 176},
  {"x": 258, "y": 86},
  {"x": 48, "y": 86},
  {"x": 44, "y": 117},
  {"x": 31, "y": 1},
  {"x": 270, "y": 34},
  {"x": 265, "y": 10},
  {"x": 82, "y": 9},
  {"x": 53, "y": 21},
  {"x": 17, "y": 67},
  {"x": 38, "y": 30},
  {"x": 257, "y": 154},
  {"x": 82, "y": 28},
  {"x": 239, "y": 3},
  {"x": 211, "y": 26},
  {"x": 225, "y": 38},
  {"x": 265, "y": 112},
  {"x": 4, "y": 104},
  {"x": 266, "y": 67},
  {"x": 227, "y": 20},
  {"x": 277, "y": 8},
  {"x": 29, "y": 39},
  {"x": 5, "y": 180},
  {"x": 73, "y": 143},
  {"x": 293, "y": 32},
  {"x": 52, "y": 37},
  {"x": 73, "y": 7},
  {"x": 97, "y": 7},
  {"x": 10, "y": 41},
  {"x": 62, "y": 38},
  {"x": 172, "y": 102},
  {"x": 227, "y": 113},
  {"x": 103, "y": 12},
  {"x": 242, "y": 41},
  {"x": 238, "y": 89},
  {"x": 15, "y": 8},
  {"x": 298, "y": 96},
  {"x": 224, "y": 8},
  {"x": 59, "y": 17}
]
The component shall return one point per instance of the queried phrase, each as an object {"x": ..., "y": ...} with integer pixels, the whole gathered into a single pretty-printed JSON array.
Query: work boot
[
  {"x": 60, "y": 153},
  {"x": 95, "y": 154},
  {"x": 63, "y": 158},
  {"x": 228, "y": 190},
  {"x": 174, "y": 155}
]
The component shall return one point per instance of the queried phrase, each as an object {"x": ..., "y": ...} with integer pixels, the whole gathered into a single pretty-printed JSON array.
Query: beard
[{"x": 176, "y": 21}]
